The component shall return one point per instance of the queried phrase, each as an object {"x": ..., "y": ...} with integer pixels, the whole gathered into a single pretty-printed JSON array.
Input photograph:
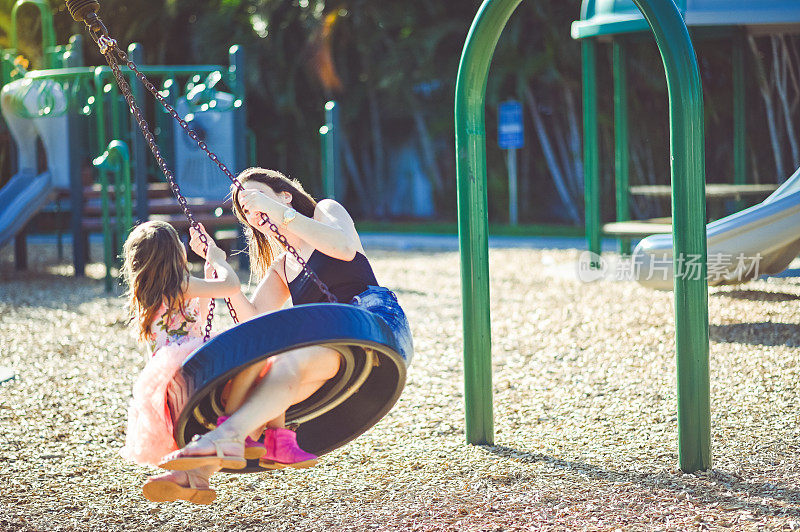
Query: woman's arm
[
  {"x": 272, "y": 292},
  {"x": 331, "y": 230}
]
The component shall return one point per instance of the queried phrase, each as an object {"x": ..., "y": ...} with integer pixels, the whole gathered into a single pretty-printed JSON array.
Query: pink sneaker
[
  {"x": 282, "y": 451},
  {"x": 252, "y": 449}
]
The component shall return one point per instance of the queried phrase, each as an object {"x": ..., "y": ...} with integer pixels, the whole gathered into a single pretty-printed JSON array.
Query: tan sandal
[
  {"x": 271, "y": 464},
  {"x": 177, "y": 461},
  {"x": 162, "y": 490}
]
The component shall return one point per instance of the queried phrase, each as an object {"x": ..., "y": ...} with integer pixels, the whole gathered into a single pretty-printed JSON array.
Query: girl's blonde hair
[
  {"x": 261, "y": 248},
  {"x": 156, "y": 272}
]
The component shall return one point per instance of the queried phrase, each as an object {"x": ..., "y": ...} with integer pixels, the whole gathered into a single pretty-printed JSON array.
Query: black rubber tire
[{"x": 194, "y": 392}]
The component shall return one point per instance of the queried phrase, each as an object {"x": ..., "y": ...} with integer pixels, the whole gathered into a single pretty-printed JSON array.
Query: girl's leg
[
  {"x": 199, "y": 475},
  {"x": 241, "y": 385},
  {"x": 280, "y": 421},
  {"x": 293, "y": 377}
]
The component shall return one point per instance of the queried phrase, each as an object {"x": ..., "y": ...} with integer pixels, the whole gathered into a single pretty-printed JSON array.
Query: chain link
[
  {"x": 108, "y": 47},
  {"x": 125, "y": 88},
  {"x": 224, "y": 169}
]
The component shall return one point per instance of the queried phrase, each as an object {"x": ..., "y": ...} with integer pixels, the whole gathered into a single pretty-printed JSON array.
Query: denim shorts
[{"x": 383, "y": 302}]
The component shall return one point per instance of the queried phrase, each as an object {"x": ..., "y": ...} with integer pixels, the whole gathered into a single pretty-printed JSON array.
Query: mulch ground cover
[{"x": 584, "y": 405}]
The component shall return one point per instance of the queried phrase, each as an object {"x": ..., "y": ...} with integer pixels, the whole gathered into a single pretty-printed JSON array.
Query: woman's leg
[
  {"x": 293, "y": 377},
  {"x": 280, "y": 421}
]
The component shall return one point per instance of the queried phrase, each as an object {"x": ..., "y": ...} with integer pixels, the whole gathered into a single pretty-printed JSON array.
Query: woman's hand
[
  {"x": 196, "y": 244},
  {"x": 254, "y": 202}
]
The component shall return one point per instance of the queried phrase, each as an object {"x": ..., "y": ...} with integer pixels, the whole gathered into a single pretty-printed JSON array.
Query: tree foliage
[{"x": 392, "y": 68}]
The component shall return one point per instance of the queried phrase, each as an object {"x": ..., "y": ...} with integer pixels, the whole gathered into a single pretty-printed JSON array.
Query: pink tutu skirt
[{"x": 149, "y": 435}]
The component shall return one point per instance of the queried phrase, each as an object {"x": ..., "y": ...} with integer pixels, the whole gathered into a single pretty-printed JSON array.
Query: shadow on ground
[
  {"x": 711, "y": 487},
  {"x": 759, "y": 333},
  {"x": 757, "y": 295}
]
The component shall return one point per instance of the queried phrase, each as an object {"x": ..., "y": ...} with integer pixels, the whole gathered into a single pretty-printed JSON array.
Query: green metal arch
[{"x": 688, "y": 202}]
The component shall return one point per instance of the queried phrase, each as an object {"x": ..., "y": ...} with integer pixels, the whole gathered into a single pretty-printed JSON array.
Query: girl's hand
[
  {"x": 196, "y": 244},
  {"x": 215, "y": 254},
  {"x": 208, "y": 270}
]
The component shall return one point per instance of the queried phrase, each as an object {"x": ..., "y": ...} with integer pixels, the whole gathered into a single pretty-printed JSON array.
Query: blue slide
[
  {"x": 29, "y": 190},
  {"x": 20, "y": 199}
]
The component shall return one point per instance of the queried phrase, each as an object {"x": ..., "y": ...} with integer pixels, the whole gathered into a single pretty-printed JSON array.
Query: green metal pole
[
  {"x": 332, "y": 153},
  {"x": 327, "y": 178},
  {"x": 115, "y": 104},
  {"x": 108, "y": 253},
  {"x": 621, "y": 137},
  {"x": 121, "y": 153},
  {"x": 689, "y": 231},
  {"x": 49, "y": 54},
  {"x": 591, "y": 157},
  {"x": 6, "y": 66},
  {"x": 99, "y": 110},
  {"x": 252, "y": 148},
  {"x": 164, "y": 122},
  {"x": 115, "y": 159},
  {"x": 739, "y": 121},
  {"x": 121, "y": 196},
  {"x": 138, "y": 147},
  {"x": 470, "y": 128}
]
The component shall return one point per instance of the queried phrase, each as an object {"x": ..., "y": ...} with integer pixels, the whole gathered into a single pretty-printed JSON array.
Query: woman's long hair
[
  {"x": 262, "y": 248},
  {"x": 156, "y": 272}
]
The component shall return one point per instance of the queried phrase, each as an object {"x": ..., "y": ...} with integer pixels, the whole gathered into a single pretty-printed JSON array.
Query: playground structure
[
  {"x": 79, "y": 116},
  {"x": 688, "y": 184},
  {"x": 765, "y": 230}
]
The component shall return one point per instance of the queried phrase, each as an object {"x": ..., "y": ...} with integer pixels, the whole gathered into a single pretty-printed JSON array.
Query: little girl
[{"x": 169, "y": 309}]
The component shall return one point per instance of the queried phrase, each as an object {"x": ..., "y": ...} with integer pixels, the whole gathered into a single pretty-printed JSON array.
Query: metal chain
[{"x": 107, "y": 47}]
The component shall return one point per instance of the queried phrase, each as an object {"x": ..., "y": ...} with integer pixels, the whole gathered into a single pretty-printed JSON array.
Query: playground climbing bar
[
  {"x": 115, "y": 159},
  {"x": 621, "y": 144},
  {"x": 687, "y": 169}
]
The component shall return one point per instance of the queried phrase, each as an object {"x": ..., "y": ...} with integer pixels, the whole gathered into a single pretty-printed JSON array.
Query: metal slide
[
  {"x": 762, "y": 239},
  {"x": 28, "y": 191},
  {"x": 22, "y": 197}
]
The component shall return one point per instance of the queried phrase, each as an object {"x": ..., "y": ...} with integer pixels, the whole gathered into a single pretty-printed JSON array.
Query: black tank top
[{"x": 345, "y": 279}]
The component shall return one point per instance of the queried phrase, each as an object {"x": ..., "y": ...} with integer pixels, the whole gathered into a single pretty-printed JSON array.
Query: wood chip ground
[{"x": 584, "y": 405}]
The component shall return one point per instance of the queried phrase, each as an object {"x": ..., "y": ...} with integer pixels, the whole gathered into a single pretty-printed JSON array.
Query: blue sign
[{"x": 510, "y": 133}]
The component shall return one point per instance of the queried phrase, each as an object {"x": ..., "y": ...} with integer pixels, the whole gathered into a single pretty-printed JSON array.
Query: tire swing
[
  {"x": 372, "y": 373},
  {"x": 369, "y": 382}
]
